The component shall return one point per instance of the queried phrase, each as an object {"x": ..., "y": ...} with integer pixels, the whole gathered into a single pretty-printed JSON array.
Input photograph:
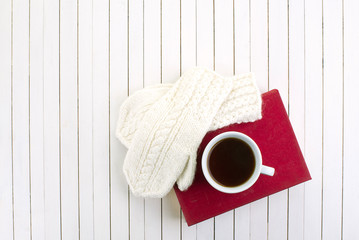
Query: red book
[{"x": 275, "y": 137}]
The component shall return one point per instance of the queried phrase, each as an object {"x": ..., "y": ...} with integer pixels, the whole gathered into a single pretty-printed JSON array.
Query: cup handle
[{"x": 267, "y": 170}]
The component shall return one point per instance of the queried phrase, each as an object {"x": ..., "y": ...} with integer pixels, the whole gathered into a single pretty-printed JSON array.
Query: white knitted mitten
[
  {"x": 171, "y": 131},
  {"x": 243, "y": 104}
]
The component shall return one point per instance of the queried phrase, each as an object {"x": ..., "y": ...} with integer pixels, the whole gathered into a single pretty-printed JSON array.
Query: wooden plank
[
  {"x": 135, "y": 45},
  {"x": 152, "y": 43},
  {"x": 188, "y": 35},
  {"x": 20, "y": 105},
  {"x": 242, "y": 222},
  {"x": 205, "y": 33},
  {"x": 205, "y": 58},
  {"x": 37, "y": 120},
  {"x": 258, "y": 223},
  {"x": 51, "y": 121},
  {"x": 69, "y": 120},
  {"x": 6, "y": 216},
  {"x": 224, "y": 62},
  {"x": 101, "y": 119},
  {"x": 223, "y": 39},
  {"x": 278, "y": 50},
  {"x": 188, "y": 61},
  {"x": 259, "y": 42},
  {"x": 277, "y": 215},
  {"x": 171, "y": 225},
  {"x": 350, "y": 195},
  {"x": 296, "y": 70},
  {"x": 296, "y": 110},
  {"x": 118, "y": 93},
  {"x": 278, "y": 79},
  {"x": 313, "y": 119},
  {"x": 259, "y": 65},
  {"x": 351, "y": 117},
  {"x": 241, "y": 65},
  {"x": 170, "y": 41},
  {"x": 153, "y": 218},
  {"x": 333, "y": 119},
  {"x": 151, "y": 76},
  {"x": 188, "y": 232},
  {"x": 86, "y": 166},
  {"x": 205, "y": 229},
  {"x": 137, "y": 204},
  {"x": 241, "y": 36}
]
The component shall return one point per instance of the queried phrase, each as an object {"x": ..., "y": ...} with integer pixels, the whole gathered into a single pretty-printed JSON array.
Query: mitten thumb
[{"x": 187, "y": 176}]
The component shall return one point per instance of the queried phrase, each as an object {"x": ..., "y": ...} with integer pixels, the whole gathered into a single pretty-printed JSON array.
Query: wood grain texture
[
  {"x": 21, "y": 121},
  {"x": 118, "y": 65},
  {"x": 52, "y": 167},
  {"x": 351, "y": 116},
  {"x": 6, "y": 160},
  {"x": 66, "y": 67},
  {"x": 100, "y": 116},
  {"x": 313, "y": 119},
  {"x": 36, "y": 100},
  {"x": 332, "y": 118},
  {"x": 86, "y": 138},
  {"x": 69, "y": 120}
]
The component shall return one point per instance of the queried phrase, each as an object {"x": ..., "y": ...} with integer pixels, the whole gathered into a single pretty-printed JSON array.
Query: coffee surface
[{"x": 231, "y": 162}]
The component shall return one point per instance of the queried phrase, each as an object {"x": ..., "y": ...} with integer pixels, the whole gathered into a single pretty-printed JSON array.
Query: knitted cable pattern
[
  {"x": 166, "y": 124},
  {"x": 243, "y": 104},
  {"x": 204, "y": 109},
  {"x": 134, "y": 109},
  {"x": 162, "y": 130}
]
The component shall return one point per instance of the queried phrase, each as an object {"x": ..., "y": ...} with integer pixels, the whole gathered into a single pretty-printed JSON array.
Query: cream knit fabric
[{"x": 163, "y": 126}]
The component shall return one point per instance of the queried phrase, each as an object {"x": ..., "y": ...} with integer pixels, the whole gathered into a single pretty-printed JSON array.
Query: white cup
[{"x": 259, "y": 168}]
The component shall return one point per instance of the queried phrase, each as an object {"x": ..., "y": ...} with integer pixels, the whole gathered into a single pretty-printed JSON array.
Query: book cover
[{"x": 275, "y": 137}]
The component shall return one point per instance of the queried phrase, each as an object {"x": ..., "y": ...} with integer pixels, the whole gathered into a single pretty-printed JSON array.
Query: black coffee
[{"x": 231, "y": 162}]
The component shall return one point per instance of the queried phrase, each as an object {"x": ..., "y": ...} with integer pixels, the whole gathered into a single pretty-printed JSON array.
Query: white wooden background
[{"x": 67, "y": 65}]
